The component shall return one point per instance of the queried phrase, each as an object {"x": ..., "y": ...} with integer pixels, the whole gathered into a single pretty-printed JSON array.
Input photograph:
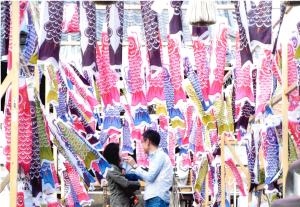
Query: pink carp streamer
[
  {"x": 135, "y": 80},
  {"x": 25, "y": 130},
  {"x": 175, "y": 69},
  {"x": 106, "y": 78},
  {"x": 81, "y": 196},
  {"x": 237, "y": 176},
  {"x": 220, "y": 57},
  {"x": 242, "y": 77},
  {"x": 265, "y": 83},
  {"x": 202, "y": 65},
  {"x": 71, "y": 22}
]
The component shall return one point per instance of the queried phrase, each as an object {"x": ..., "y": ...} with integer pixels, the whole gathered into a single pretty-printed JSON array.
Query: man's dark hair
[
  {"x": 111, "y": 154},
  {"x": 153, "y": 136}
]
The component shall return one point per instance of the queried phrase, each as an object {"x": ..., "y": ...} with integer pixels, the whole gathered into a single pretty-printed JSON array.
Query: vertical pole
[
  {"x": 15, "y": 13},
  {"x": 285, "y": 104},
  {"x": 222, "y": 170},
  {"x": 206, "y": 191}
]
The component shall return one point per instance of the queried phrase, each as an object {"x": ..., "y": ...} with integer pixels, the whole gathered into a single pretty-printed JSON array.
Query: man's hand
[
  {"x": 131, "y": 162},
  {"x": 123, "y": 172},
  {"x": 103, "y": 183}
]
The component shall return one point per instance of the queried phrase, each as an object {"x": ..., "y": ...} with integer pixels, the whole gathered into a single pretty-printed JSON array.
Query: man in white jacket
[{"x": 159, "y": 177}]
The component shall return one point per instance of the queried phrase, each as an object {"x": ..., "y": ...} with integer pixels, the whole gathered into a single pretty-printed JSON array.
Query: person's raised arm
[{"x": 153, "y": 171}]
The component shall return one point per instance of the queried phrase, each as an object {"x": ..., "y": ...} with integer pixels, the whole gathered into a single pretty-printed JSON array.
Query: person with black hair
[
  {"x": 121, "y": 189},
  {"x": 159, "y": 177}
]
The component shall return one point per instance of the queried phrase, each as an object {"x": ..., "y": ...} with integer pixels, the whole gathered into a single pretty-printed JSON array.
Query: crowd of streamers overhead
[{"x": 138, "y": 72}]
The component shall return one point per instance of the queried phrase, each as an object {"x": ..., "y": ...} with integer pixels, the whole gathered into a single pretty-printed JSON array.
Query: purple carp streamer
[
  {"x": 194, "y": 81},
  {"x": 245, "y": 51},
  {"x": 169, "y": 95},
  {"x": 115, "y": 21},
  {"x": 31, "y": 39},
  {"x": 150, "y": 19},
  {"x": 126, "y": 141},
  {"x": 260, "y": 22},
  {"x": 88, "y": 34},
  {"x": 252, "y": 156},
  {"x": 271, "y": 155},
  {"x": 175, "y": 24},
  {"x": 5, "y": 26},
  {"x": 51, "y": 23}
]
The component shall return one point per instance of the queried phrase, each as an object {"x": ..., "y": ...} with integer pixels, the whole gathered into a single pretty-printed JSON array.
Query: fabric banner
[
  {"x": 260, "y": 22},
  {"x": 115, "y": 21},
  {"x": 134, "y": 75},
  {"x": 106, "y": 78},
  {"x": 51, "y": 30},
  {"x": 88, "y": 35},
  {"x": 218, "y": 61},
  {"x": 175, "y": 69},
  {"x": 71, "y": 18},
  {"x": 25, "y": 129},
  {"x": 150, "y": 20}
]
